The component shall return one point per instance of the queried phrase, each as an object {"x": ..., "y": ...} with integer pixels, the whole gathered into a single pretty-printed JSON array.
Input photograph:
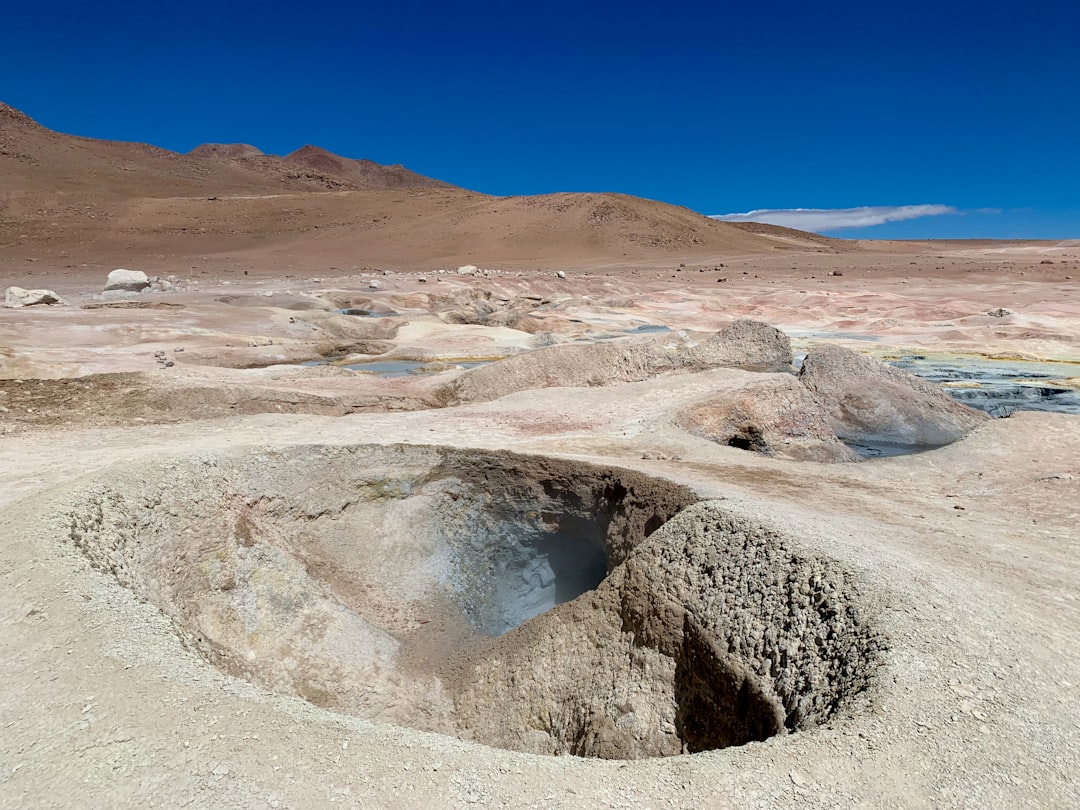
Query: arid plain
[{"x": 254, "y": 517}]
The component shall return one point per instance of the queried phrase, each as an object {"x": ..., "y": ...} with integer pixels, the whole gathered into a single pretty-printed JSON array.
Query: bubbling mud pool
[{"x": 528, "y": 603}]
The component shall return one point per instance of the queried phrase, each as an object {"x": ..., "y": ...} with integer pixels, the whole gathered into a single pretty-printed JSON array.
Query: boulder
[
  {"x": 869, "y": 401},
  {"x": 18, "y": 297},
  {"x": 774, "y": 416},
  {"x": 127, "y": 281},
  {"x": 467, "y": 270}
]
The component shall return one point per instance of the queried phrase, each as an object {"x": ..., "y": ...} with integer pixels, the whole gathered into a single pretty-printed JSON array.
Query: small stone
[
  {"x": 127, "y": 280},
  {"x": 560, "y": 274},
  {"x": 467, "y": 270},
  {"x": 374, "y": 285},
  {"x": 16, "y": 297}
]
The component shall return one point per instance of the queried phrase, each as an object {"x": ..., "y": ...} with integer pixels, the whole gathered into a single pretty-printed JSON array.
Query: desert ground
[{"x": 390, "y": 494}]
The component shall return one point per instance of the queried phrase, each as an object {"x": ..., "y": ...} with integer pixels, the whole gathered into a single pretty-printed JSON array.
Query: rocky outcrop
[
  {"x": 16, "y": 297},
  {"x": 775, "y": 416},
  {"x": 743, "y": 344},
  {"x": 868, "y": 401},
  {"x": 127, "y": 281}
]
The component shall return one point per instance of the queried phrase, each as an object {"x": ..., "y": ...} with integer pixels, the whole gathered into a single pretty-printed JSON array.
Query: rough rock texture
[
  {"x": 370, "y": 579},
  {"x": 775, "y": 416},
  {"x": 869, "y": 401},
  {"x": 743, "y": 344},
  {"x": 484, "y": 308},
  {"x": 127, "y": 281},
  {"x": 363, "y": 579},
  {"x": 348, "y": 327},
  {"x": 16, "y": 297},
  {"x": 715, "y": 632}
]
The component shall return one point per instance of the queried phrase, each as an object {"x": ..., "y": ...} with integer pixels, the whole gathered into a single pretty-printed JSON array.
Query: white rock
[
  {"x": 560, "y": 274},
  {"x": 130, "y": 280},
  {"x": 374, "y": 285},
  {"x": 18, "y": 297},
  {"x": 467, "y": 270}
]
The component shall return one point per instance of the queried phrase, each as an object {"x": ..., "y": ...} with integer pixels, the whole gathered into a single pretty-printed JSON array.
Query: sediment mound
[
  {"x": 775, "y": 416},
  {"x": 869, "y": 401},
  {"x": 743, "y": 344},
  {"x": 747, "y": 344},
  {"x": 416, "y": 585}
]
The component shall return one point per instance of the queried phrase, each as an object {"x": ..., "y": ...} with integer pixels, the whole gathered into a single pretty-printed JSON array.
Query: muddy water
[{"x": 1000, "y": 387}]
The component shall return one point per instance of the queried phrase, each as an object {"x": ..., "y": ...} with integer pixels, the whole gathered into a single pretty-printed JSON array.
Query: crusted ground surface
[{"x": 955, "y": 570}]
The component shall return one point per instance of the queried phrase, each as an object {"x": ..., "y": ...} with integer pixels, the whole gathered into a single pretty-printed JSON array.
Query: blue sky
[{"x": 722, "y": 107}]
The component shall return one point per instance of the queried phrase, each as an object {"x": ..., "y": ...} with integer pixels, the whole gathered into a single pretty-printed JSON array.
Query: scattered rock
[
  {"x": 1000, "y": 312},
  {"x": 16, "y": 297},
  {"x": 467, "y": 270},
  {"x": 836, "y": 273},
  {"x": 869, "y": 401},
  {"x": 560, "y": 274},
  {"x": 162, "y": 284},
  {"x": 374, "y": 285},
  {"x": 127, "y": 280}
]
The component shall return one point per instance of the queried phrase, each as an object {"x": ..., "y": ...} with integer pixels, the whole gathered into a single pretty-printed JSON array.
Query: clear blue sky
[{"x": 722, "y": 107}]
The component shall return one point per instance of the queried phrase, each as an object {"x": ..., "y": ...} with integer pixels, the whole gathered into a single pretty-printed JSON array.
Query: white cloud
[{"x": 833, "y": 219}]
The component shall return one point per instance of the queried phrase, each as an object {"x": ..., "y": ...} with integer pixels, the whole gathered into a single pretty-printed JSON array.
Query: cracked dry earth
[{"x": 288, "y": 588}]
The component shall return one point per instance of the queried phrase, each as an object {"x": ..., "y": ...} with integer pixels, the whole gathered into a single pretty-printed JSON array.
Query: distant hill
[{"x": 67, "y": 194}]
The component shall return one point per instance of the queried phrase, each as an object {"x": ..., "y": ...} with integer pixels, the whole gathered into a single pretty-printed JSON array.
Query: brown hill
[
  {"x": 228, "y": 151},
  {"x": 362, "y": 174},
  {"x": 115, "y": 202}
]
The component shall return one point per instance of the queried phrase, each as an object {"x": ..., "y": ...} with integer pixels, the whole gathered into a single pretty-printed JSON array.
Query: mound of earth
[
  {"x": 528, "y": 603},
  {"x": 869, "y": 401},
  {"x": 742, "y": 344},
  {"x": 745, "y": 343},
  {"x": 716, "y": 631},
  {"x": 775, "y": 416}
]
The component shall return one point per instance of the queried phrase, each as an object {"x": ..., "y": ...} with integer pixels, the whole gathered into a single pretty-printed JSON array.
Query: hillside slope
[{"x": 65, "y": 195}]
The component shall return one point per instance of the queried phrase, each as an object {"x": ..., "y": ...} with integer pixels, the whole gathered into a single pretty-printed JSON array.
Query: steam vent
[{"x": 527, "y": 603}]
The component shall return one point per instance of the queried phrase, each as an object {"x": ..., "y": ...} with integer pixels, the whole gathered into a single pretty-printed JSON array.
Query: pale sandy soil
[
  {"x": 103, "y": 707},
  {"x": 967, "y": 555}
]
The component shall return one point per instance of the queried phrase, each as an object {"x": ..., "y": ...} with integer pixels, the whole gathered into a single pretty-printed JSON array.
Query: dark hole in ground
[{"x": 749, "y": 437}]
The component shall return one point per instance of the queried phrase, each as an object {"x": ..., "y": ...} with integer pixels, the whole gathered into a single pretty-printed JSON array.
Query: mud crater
[{"x": 528, "y": 603}]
